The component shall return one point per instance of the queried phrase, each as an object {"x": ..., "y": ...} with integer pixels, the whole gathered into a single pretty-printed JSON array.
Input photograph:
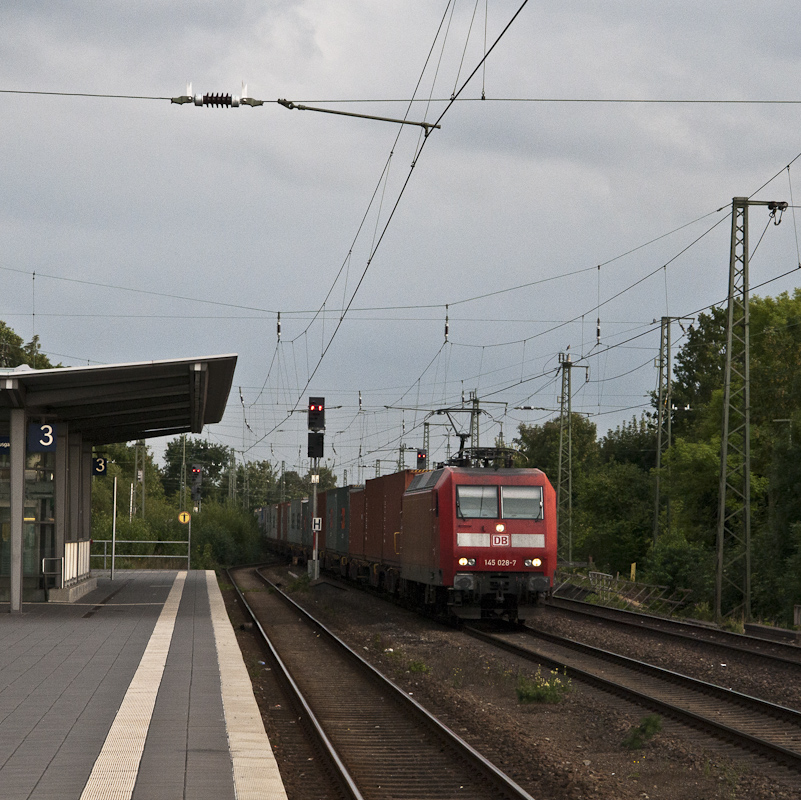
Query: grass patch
[
  {"x": 733, "y": 625},
  {"x": 418, "y": 666},
  {"x": 541, "y": 688},
  {"x": 640, "y": 734},
  {"x": 299, "y": 584}
]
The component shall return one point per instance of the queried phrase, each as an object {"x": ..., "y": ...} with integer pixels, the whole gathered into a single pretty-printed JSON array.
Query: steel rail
[
  {"x": 503, "y": 781},
  {"x": 686, "y": 631},
  {"x": 339, "y": 767},
  {"x": 776, "y": 753}
]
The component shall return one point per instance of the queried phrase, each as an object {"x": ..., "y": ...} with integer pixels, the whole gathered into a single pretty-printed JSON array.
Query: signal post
[{"x": 316, "y": 420}]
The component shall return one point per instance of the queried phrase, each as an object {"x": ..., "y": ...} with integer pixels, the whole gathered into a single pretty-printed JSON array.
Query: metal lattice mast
[
  {"x": 664, "y": 415},
  {"x": 734, "y": 492},
  {"x": 474, "y": 415},
  {"x": 232, "y": 476},
  {"x": 564, "y": 488}
]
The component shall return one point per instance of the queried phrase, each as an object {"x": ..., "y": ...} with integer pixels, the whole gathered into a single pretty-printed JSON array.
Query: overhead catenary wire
[
  {"x": 524, "y": 340},
  {"x": 394, "y": 209}
]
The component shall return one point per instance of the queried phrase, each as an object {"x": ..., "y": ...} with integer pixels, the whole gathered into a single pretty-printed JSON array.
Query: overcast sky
[{"x": 161, "y": 231}]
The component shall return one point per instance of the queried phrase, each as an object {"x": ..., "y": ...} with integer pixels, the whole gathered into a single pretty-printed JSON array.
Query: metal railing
[
  {"x": 70, "y": 567},
  {"x": 114, "y": 555},
  {"x": 617, "y": 592}
]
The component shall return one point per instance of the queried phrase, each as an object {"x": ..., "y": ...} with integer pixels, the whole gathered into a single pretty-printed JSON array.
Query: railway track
[
  {"x": 772, "y": 652},
  {"x": 756, "y": 726},
  {"x": 376, "y": 740}
]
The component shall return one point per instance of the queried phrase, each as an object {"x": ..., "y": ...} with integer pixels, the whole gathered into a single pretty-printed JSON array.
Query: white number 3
[{"x": 47, "y": 435}]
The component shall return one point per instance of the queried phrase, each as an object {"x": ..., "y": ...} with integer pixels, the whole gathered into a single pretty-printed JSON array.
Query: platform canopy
[{"x": 125, "y": 402}]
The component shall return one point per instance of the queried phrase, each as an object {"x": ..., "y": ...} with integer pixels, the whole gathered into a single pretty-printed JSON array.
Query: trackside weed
[
  {"x": 640, "y": 734},
  {"x": 543, "y": 689}
]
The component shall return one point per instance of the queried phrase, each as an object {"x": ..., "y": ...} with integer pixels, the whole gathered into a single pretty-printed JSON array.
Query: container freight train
[{"x": 463, "y": 541}]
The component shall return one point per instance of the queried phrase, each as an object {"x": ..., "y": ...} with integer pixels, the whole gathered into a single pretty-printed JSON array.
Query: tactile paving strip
[
  {"x": 256, "y": 775},
  {"x": 114, "y": 773}
]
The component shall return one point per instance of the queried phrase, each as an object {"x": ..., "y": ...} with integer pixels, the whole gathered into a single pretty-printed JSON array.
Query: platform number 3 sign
[{"x": 41, "y": 437}]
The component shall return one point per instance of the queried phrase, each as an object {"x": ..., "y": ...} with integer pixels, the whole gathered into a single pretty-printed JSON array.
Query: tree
[
  {"x": 539, "y": 446},
  {"x": 613, "y": 516},
  {"x": 13, "y": 352},
  {"x": 214, "y": 459},
  {"x": 631, "y": 443},
  {"x": 296, "y": 486}
]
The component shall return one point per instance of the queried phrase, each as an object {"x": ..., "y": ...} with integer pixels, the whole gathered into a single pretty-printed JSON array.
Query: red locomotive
[{"x": 465, "y": 541}]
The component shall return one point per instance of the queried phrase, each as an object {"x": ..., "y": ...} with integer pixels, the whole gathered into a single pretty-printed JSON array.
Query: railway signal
[
  {"x": 317, "y": 414},
  {"x": 197, "y": 480},
  {"x": 422, "y": 459}
]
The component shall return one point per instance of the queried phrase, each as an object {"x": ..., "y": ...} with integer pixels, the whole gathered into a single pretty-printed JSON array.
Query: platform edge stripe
[
  {"x": 255, "y": 770},
  {"x": 115, "y": 771}
]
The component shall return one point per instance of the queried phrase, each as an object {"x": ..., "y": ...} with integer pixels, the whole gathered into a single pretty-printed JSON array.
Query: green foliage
[
  {"x": 638, "y": 735},
  {"x": 543, "y": 689},
  {"x": 14, "y": 352},
  {"x": 678, "y": 564},
  {"x": 539, "y": 446},
  {"x": 295, "y": 485},
  {"x": 215, "y": 460},
  {"x": 631, "y": 443},
  {"x": 418, "y": 666},
  {"x": 691, "y": 477},
  {"x": 227, "y": 533},
  {"x": 613, "y": 516}
]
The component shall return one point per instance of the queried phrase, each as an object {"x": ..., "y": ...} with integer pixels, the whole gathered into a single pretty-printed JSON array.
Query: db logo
[{"x": 500, "y": 540}]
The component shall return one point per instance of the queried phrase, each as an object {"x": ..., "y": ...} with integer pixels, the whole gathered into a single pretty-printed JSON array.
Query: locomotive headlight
[
  {"x": 467, "y": 562},
  {"x": 500, "y": 527},
  {"x": 462, "y": 562},
  {"x": 533, "y": 562}
]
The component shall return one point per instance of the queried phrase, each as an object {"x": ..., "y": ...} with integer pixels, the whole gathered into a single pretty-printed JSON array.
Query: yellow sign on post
[{"x": 184, "y": 517}]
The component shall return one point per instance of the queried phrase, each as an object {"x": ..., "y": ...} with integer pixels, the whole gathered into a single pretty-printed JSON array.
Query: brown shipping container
[
  {"x": 356, "y": 533},
  {"x": 420, "y": 541},
  {"x": 383, "y": 515}
]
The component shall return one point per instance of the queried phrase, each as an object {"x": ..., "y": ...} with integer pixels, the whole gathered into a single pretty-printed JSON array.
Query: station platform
[{"x": 138, "y": 690}]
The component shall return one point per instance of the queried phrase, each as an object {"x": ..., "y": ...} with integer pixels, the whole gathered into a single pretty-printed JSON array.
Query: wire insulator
[{"x": 217, "y": 100}]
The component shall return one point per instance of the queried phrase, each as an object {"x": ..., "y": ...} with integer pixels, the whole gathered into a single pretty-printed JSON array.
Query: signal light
[
  {"x": 316, "y": 414},
  {"x": 197, "y": 479},
  {"x": 422, "y": 459}
]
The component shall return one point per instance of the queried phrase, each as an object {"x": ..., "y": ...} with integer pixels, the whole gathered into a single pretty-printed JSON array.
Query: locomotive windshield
[
  {"x": 477, "y": 502},
  {"x": 521, "y": 502}
]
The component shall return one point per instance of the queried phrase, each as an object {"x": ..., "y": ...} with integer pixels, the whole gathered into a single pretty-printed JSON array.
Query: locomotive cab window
[
  {"x": 477, "y": 502},
  {"x": 521, "y": 502}
]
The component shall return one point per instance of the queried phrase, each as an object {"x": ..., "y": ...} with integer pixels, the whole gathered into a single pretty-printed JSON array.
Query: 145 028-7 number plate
[{"x": 500, "y": 562}]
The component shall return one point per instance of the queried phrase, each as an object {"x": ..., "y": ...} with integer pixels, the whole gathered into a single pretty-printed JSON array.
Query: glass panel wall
[
  {"x": 38, "y": 529},
  {"x": 5, "y": 507}
]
